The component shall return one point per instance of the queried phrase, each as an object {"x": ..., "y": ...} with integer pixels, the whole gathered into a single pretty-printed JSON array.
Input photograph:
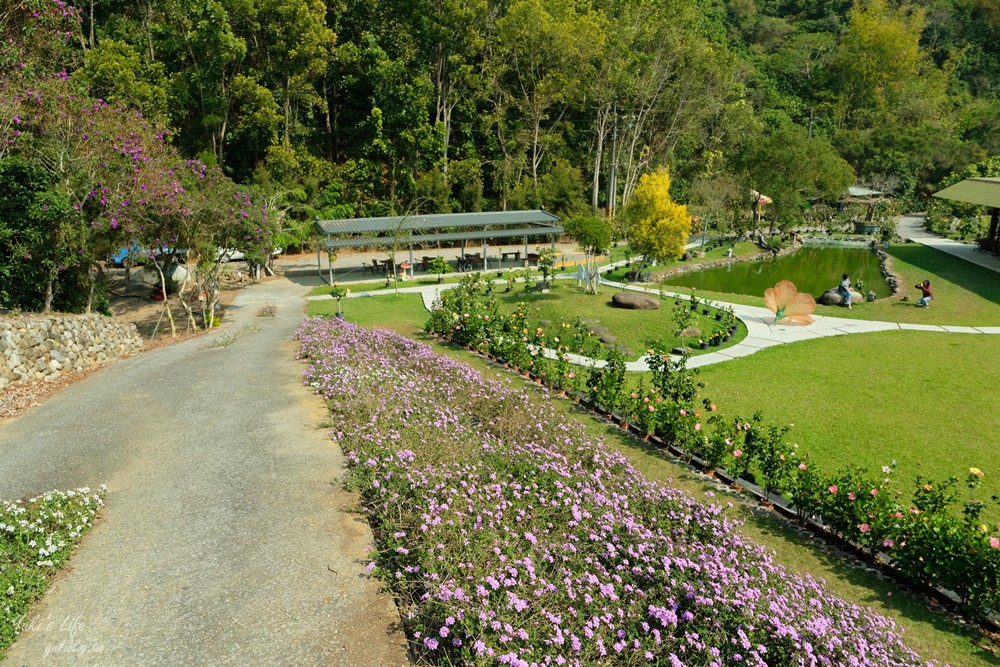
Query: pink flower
[
  {"x": 651, "y": 408},
  {"x": 697, "y": 426},
  {"x": 737, "y": 452},
  {"x": 834, "y": 489},
  {"x": 851, "y": 496},
  {"x": 864, "y": 528},
  {"x": 995, "y": 542},
  {"x": 803, "y": 466},
  {"x": 683, "y": 412},
  {"x": 874, "y": 492},
  {"x": 889, "y": 543}
]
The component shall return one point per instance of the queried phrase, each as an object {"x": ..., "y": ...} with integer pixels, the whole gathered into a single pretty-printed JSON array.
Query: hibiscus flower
[{"x": 788, "y": 305}]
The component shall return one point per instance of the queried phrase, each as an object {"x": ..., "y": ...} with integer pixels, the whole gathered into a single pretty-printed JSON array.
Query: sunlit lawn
[
  {"x": 636, "y": 329},
  {"x": 924, "y": 399}
]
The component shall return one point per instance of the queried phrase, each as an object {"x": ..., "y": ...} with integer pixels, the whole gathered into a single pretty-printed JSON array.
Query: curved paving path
[{"x": 226, "y": 539}]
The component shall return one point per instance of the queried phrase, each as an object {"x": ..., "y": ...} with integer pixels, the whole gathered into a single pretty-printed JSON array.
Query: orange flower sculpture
[{"x": 788, "y": 304}]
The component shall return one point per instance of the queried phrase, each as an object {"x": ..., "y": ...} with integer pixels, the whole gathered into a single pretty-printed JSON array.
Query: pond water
[{"x": 813, "y": 270}]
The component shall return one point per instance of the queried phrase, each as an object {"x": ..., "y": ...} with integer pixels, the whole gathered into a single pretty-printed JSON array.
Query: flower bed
[
  {"x": 510, "y": 537},
  {"x": 36, "y": 539}
]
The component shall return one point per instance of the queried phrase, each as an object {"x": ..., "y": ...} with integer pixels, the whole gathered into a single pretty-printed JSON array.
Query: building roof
[
  {"x": 982, "y": 191},
  {"x": 858, "y": 191},
  {"x": 331, "y": 243},
  {"x": 436, "y": 221},
  {"x": 400, "y": 230}
]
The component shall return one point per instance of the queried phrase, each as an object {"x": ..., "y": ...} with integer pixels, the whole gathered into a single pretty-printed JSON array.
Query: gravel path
[{"x": 226, "y": 539}]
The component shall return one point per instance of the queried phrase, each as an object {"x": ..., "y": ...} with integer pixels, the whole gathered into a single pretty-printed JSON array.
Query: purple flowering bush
[{"x": 512, "y": 537}]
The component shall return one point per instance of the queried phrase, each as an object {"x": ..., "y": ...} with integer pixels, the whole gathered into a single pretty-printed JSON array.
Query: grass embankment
[
  {"x": 36, "y": 539},
  {"x": 481, "y": 498}
]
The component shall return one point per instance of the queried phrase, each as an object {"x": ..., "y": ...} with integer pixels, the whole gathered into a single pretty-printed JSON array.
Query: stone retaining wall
[{"x": 42, "y": 348}]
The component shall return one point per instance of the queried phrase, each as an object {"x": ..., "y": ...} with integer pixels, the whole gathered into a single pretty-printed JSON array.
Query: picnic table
[{"x": 515, "y": 253}]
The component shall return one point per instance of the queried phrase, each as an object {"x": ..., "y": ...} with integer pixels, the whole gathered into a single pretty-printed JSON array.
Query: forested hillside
[{"x": 363, "y": 107}]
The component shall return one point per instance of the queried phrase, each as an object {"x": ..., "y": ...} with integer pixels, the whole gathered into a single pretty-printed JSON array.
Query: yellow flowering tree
[{"x": 658, "y": 227}]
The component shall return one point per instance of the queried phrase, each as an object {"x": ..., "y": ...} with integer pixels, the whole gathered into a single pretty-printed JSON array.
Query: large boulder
[
  {"x": 832, "y": 297},
  {"x": 635, "y": 301}
]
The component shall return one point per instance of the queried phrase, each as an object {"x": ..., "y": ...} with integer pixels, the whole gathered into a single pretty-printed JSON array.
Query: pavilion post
[
  {"x": 411, "y": 261},
  {"x": 994, "y": 234}
]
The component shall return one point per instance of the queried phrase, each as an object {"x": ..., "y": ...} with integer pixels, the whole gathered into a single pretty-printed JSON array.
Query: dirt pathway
[{"x": 226, "y": 539}]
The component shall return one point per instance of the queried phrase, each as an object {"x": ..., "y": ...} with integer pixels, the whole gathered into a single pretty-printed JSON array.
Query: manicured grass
[
  {"x": 399, "y": 312},
  {"x": 923, "y": 399},
  {"x": 637, "y": 329}
]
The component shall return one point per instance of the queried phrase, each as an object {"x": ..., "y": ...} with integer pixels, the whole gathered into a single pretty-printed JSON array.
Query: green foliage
[{"x": 40, "y": 236}]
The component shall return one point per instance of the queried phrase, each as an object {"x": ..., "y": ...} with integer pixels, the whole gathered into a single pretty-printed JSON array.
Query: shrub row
[
  {"x": 931, "y": 532},
  {"x": 511, "y": 537}
]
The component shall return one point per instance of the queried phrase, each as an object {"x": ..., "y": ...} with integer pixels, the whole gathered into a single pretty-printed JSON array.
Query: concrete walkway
[
  {"x": 226, "y": 539},
  {"x": 762, "y": 332},
  {"x": 912, "y": 227}
]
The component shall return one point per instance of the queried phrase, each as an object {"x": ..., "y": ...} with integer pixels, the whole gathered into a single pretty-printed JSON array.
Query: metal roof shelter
[
  {"x": 407, "y": 231},
  {"x": 981, "y": 191}
]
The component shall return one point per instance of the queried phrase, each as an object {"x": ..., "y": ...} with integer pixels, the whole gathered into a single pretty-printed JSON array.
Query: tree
[
  {"x": 878, "y": 54},
  {"x": 658, "y": 226},
  {"x": 594, "y": 236},
  {"x": 40, "y": 236},
  {"x": 791, "y": 169}
]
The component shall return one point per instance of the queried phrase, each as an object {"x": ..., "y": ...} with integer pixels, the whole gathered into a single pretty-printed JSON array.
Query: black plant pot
[
  {"x": 727, "y": 339},
  {"x": 715, "y": 342},
  {"x": 704, "y": 345},
  {"x": 705, "y": 311},
  {"x": 718, "y": 317},
  {"x": 694, "y": 306}
]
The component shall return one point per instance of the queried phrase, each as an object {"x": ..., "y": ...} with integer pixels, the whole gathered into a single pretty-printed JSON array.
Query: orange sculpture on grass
[{"x": 788, "y": 304}]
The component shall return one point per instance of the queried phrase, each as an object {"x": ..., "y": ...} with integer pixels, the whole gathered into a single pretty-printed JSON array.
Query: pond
[{"x": 813, "y": 270}]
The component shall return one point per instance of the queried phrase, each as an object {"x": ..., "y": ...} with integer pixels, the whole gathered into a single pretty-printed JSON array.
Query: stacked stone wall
[{"x": 42, "y": 348}]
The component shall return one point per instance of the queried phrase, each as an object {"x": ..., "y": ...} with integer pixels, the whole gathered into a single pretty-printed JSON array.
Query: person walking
[
  {"x": 845, "y": 291},
  {"x": 928, "y": 296}
]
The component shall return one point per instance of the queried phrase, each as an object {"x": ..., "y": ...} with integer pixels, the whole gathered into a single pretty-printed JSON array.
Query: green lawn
[
  {"x": 400, "y": 312},
  {"x": 921, "y": 398},
  {"x": 637, "y": 329}
]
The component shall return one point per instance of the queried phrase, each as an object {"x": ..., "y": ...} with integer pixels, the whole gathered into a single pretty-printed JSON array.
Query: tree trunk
[
  {"x": 49, "y": 293},
  {"x": 601, "y": 131}
]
